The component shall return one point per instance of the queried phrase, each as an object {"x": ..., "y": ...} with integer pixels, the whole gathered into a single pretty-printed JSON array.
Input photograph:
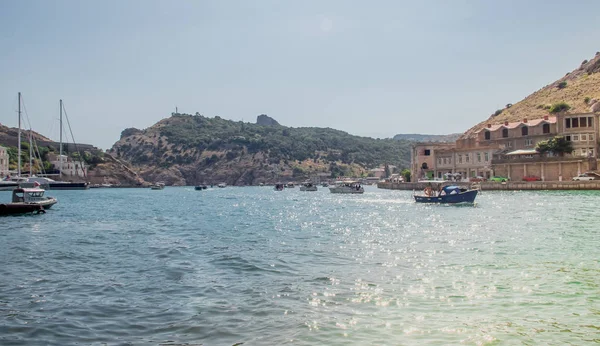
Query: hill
[
  {"x": 414, "y": 137},
  {"x": 189, "y": 149},
  {"x": 102, "y": 168},
  {"x": 579, "y": 89}
]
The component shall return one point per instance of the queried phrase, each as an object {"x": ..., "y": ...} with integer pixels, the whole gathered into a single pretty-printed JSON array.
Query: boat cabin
[{"x": 28, "y": 195}]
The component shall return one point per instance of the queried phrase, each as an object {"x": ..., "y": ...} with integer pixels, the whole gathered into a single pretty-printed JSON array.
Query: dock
[{"x": 508, "y": 186}]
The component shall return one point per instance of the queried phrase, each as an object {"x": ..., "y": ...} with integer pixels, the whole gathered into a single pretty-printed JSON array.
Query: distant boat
[
  {"x": 445, "y": 193},
  {"x": 279, "y": 187},
  {"x": 290, "y": 185},
  {"x": 349, "y": 187},
  {"x": 157, "y": 186},
  {"x": 308, "y": 186},
  {"x": 325, "y": 184},
  {"x": 200, "y": 187},
  {"x": 222, "y": 185}
]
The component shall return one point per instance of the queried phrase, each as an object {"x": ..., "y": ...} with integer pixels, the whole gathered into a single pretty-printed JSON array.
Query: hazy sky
[{"x": 373, "y": 68}]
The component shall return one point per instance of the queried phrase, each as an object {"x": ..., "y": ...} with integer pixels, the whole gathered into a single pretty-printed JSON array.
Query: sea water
[{"x": 260, "y": 267}]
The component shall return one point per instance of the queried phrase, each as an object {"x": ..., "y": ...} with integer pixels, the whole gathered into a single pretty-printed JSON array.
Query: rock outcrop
[{"x": 266, "y": 120}]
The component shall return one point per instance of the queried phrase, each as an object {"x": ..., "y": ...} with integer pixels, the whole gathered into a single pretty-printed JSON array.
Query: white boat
[
  {"x": 222, "y": 185},
  {"x": 290, "y": 185},
  {"x": 33, "y": 196},
  {"x": 157, "y": 186},
  {"x": 352, "y": 187},
  {"x": 308, "y": 186}
]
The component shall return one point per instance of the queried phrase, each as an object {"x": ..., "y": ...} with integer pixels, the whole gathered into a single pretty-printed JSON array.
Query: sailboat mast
[
  {"x": 30, "y": 152},
  {"x": 60, "y": 168},
  {"x": 19, "y": 140}
]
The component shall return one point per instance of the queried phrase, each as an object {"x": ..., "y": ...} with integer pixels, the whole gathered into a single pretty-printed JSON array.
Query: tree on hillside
[{"x": 387, "y": 171}]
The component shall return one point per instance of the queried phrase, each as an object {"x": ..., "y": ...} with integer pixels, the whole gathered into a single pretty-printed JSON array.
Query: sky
[{"x": 369, "y": 68}]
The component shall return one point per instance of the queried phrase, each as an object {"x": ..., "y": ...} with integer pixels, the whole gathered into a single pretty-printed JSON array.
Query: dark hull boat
[
  {"x": 68, "y": 186},
  {"x": 20, "y": 208},
  {"x": 462, "y": 197},
  {"x": 447, "y": 195},
  {"x": 200, "y": 187}
]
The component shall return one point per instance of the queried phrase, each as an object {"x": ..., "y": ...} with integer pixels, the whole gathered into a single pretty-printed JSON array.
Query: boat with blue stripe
[{"x": 445, "y": 193}]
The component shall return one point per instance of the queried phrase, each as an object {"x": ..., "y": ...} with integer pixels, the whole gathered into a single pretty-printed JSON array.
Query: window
[
  {"x": 504, "y": 133},
  {"x": 439, "y": 160},
  {"x": 459, "y": 158},
  {"x": 575, "y": 122},
  {"x": 575, "y": 138},
  {"x": 467, "y": 158},
  {"x": 584, "y": 137},
  {"x": 487, "y": 156},
  {"x": 568, "y": 138},
  {"x": 445, "y": 162},
  {"x": 546, "y": 128},
  {"x": 524, "y": 131},
  {"x": 591, "y": 152},
  {"x": 528, "y": 142},
  {"x": 590, "y": 122},
  {"x": 583, "y": 122},
  {"x": 583, "y": 152},
  {"x": 509, "y": 144},
  {"x": 427, "y": 152},
  {"x": 568, "y": 123},
  {"x": 591, "y": 137},
  {"x": 487, "y": 135},
  {"x": 478, "y": 157}
]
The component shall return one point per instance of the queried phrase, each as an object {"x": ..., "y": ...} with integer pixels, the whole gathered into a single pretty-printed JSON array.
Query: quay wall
[{"x": 511, "y": 185}]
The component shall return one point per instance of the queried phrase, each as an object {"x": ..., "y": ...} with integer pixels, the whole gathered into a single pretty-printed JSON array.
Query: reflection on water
[{"x": 253, "y": 265}]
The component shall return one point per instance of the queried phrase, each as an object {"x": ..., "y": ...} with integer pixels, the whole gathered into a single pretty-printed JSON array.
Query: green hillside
[{"x": 191, "y": 149}]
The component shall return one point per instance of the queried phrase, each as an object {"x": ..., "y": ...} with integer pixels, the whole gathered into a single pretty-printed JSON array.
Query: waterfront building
[
  {"x": 508, "y": 150},
  {"x": 70, "y": 168},
  {"x": 4, "y": 159}
]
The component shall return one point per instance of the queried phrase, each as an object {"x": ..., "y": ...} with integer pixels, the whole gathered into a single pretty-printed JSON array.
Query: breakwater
[{"x": 511, "y": 185}]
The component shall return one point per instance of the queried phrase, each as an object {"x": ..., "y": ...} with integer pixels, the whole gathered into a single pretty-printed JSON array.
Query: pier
[{"x": 511, "y": 185}]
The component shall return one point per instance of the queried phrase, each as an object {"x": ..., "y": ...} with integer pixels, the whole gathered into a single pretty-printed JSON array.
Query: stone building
[{"x": 508, "y": 150}]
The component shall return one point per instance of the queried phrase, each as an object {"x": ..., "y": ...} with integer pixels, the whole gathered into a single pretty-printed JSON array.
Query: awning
[{"x": 523, "y": 152}]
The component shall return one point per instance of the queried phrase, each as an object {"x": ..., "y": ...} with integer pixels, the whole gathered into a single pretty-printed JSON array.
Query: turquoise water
[{"x": 260, "y": 267}]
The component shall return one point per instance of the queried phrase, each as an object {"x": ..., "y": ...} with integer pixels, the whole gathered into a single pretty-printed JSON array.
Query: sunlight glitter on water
[{"x": 263, "y": 267}]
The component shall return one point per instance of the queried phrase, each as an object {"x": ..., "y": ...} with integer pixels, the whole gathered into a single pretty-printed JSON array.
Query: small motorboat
[
  {"x": 157, "y": 186},
  {"x": 27, "y": 200},
  {"x": 308, "y": 186},
  {"x": 352, "y": 187},
  {"x": 279, "y": 187},
  {"x": 290, "y": 185},
  {"x": 200, "y": 187},
  {"x": 222, "y": 185},
  {"x": 446, "y": 193}
]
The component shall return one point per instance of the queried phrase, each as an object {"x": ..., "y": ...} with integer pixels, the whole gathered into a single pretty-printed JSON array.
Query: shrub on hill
[
  {"x": 562, "y": 85},
  {"x": 559, "y": 107}
]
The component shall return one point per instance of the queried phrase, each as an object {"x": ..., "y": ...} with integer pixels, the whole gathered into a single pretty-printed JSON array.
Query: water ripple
[{"x": 255, "y": 266}]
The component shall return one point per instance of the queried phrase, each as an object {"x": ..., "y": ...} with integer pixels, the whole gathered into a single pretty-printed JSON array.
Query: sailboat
[{"x": 60, "y": 185}]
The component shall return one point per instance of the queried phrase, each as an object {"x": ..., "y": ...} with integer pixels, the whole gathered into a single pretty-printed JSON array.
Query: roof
[
  {"x": 512, "y": 125},
  {"x": 523, "y": 152},
  {"x": 30, "y": 190}
]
